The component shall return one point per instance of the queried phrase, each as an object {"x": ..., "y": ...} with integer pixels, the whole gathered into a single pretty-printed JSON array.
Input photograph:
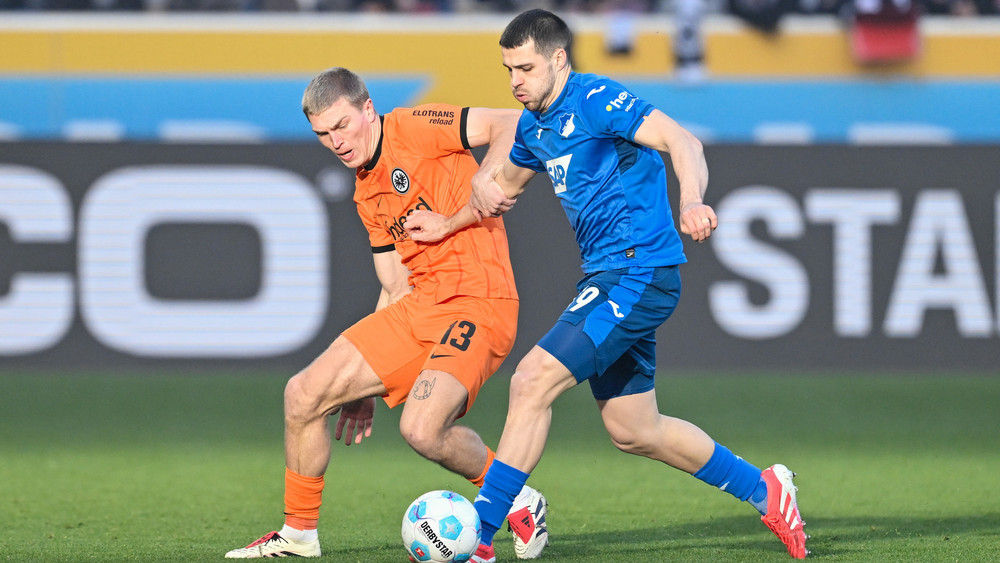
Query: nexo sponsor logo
[
  {"x": 617, "y": 102},
  {"x": 110, "y": 287},
  {"x": 396, "y": 228}
]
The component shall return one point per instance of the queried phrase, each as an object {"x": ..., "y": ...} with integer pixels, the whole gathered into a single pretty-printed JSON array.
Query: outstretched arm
[
  {"x": 490, "y": 199},
  {"x": 660, "y": 132},
  {"x": 495, "y": 127},
  {"x": 511, "y": 179}
]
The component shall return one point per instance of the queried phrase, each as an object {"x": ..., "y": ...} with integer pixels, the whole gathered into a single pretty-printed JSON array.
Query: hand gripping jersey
[
  {"x": 613, "y": 190},
  {"x": 423, "y": 162}
]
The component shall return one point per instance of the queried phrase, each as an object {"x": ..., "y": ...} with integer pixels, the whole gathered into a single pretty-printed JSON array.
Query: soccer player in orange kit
[{"x": 445, "y": 319}]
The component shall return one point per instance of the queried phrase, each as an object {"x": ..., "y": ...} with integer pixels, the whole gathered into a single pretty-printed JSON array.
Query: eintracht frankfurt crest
[{"x": 400, "y": 181}]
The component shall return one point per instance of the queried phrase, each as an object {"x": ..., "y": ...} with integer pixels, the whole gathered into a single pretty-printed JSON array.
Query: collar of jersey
[
  {"x": 378, "y": 150},
  {"x": 549, "y": 111}
]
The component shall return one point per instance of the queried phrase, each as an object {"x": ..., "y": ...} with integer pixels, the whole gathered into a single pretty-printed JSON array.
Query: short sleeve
[
  {"x": 521, "y": 156},
  {"x": 439, "y": 128},
  {"x": 377, "y": 235},
  {"x": 611, "y": 109}
]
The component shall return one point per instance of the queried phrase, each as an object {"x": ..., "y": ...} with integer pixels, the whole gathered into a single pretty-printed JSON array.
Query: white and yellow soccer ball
[{"x": 441, "y": 527}]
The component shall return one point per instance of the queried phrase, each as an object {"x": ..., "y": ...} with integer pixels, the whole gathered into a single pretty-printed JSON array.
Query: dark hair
[{"x": 548, "y": 31}]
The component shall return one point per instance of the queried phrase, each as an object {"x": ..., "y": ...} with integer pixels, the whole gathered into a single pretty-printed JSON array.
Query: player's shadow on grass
[
  {"x": 702, "y": 540},
  {"x": 830, "y": 537}
]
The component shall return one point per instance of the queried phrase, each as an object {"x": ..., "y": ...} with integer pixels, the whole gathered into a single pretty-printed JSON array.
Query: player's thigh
[
  {"x": 337, "y": 376},
  {"x": 470, "y": 338},
  {"x": 388, "y": 344},
  {"x": 436, "y": 401},
  {"x": 607, "y": 334}
]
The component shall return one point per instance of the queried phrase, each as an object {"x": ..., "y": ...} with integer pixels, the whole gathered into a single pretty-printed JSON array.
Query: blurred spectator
[
  {"x": 54, "y": 5},
  {"x": 621, "y": 17},
  {"x": 960, "y": 7},
  {"x": 885, "y": 31},
  {"x": 762, "y": 15},
  {"x": 988, "y": 6},
  {"x": 688, "y": 42}
]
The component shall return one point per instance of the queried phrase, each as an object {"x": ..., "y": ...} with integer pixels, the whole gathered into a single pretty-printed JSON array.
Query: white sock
[{"x": 290, "y": 533}]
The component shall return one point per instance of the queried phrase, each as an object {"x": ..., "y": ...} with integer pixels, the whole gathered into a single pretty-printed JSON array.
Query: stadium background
[
  {"x": 859, "y": 203},
  {"x": 174, "y": 244}
]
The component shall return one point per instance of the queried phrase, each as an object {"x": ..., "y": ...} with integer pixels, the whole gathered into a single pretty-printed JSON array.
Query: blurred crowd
[
  {"x": 881, "y": 31},
  {"x": 763, "y": 14}
]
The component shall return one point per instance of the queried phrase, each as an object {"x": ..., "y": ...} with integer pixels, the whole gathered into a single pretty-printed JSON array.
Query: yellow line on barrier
[{"x": 462, "y": 66}]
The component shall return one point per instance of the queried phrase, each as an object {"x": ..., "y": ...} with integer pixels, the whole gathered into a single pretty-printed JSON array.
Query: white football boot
[
  {"x": 526, "y": 521},
  {"x": 273, "y": 545}
]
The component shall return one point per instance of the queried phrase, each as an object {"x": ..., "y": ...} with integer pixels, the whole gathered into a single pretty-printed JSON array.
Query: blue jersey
[{"x": 614, "y": 190}]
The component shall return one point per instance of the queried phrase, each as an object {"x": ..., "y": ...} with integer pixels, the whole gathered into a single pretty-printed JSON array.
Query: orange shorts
[{"x": 468, "y": 337}]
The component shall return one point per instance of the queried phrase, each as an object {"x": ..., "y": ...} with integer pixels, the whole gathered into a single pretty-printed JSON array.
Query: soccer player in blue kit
[{"x": 599, "y": 145}]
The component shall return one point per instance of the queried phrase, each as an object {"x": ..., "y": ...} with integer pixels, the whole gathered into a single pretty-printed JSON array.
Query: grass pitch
[{"x": 158, "y": 467}]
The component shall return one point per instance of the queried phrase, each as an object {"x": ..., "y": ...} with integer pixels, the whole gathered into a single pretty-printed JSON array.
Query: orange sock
[
  {"x": 478, "y": 481},
  {"x": 303, "y": 497}
]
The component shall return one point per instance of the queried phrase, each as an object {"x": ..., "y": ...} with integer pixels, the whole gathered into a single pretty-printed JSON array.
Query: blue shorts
[{"x": 607, "y": 335}]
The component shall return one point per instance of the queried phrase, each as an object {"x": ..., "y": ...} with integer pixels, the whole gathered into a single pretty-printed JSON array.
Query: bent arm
[
  {"x": 491, "y": 199},
  {"x": 660, "y": 132},
  {"x": 512, "y": 179},
  {"x": 393, "y": 276},
  {"x": 483, "y": 125},
  {"x": 498, "y": 195},
  {"x": 495, "y": 127},
  {"x": 428, "y": 226},
  {"x": 687, "y": 155}
]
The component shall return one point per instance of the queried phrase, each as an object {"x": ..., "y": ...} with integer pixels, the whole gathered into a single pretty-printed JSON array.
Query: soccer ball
[{"x": 442, "y": 527}]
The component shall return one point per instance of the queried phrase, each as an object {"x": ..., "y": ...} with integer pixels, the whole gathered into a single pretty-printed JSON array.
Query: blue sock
[
  {"x": 730, "y": 473},
  {"x": 502, "y": 484},
  {"x": 759, "y": 497}
]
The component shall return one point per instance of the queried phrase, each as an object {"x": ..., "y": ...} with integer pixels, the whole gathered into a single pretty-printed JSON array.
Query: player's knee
[
  {"x": 294, "y": 395},
  {"x": 301, "y": 403},
  {"x": 526, "y": 388},
  {"x": 537, "y": 384},
  {"x": 534, "y": 384},
  {"x": 425, "y": 438},
  {"x": 631, "y": 442}
]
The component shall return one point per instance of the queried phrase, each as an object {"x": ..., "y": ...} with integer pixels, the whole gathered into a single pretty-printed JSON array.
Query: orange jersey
[{"x": 423, "y": 162}]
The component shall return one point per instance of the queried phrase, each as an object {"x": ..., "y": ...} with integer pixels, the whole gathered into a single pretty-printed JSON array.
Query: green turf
[{"x": 157, "y": 467}]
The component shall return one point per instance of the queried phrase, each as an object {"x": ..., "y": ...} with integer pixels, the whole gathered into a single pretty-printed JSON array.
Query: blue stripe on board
[
  {"x": 730, "y": 111},
  {"x": 41, "y": 108}
]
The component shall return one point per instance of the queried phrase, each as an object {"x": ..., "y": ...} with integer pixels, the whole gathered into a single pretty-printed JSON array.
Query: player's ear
[
  {"x": 369, "y": 109},
  {"x": 561, "y": 58}
]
